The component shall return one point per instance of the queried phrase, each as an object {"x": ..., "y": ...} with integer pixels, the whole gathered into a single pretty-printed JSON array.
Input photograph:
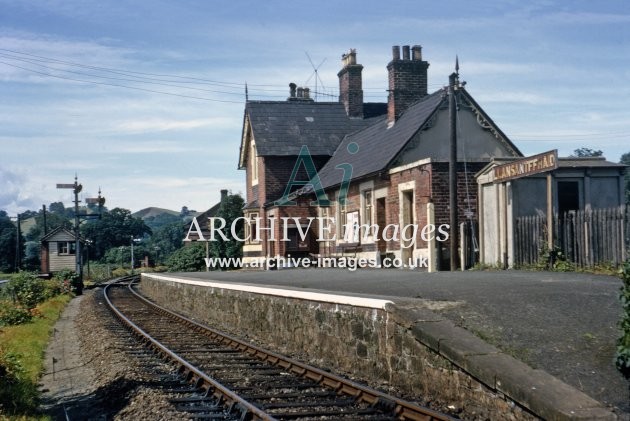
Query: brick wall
[
  {"x": 277, "y": 172},
  {"x": 407, "y": 82},
  {"x": 351, "y": 89},
  {"x": 440, "y": 190}
]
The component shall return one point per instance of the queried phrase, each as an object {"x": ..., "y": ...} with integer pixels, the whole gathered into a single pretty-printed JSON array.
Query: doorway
[
  {"x": 568, "y": 196},
  {"x": 406, "y": 251},
  {"x": 381, "y": 222}
]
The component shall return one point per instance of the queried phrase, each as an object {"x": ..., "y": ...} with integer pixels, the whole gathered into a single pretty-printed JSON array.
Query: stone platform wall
[{"x": 401, "y": 346}]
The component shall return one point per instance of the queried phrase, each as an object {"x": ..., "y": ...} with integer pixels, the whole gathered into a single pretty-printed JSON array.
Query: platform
[{"x": 562, "y": 323}]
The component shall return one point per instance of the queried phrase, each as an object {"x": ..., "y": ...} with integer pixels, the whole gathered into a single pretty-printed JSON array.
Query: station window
[
  {"x": 254, "y": 166},
  {"x": 252, "y": 228},
  {"x": 367, "y": 207},
  {"x": 66, "y": 247}
]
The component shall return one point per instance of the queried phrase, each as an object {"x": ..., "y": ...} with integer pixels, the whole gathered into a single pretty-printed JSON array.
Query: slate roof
[
  {"x": 281, "y": 127},
  {"x": 378, "y": 144}
]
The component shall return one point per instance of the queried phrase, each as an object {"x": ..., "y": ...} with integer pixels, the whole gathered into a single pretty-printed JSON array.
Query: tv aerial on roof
[{"x": 315, "y": 73}]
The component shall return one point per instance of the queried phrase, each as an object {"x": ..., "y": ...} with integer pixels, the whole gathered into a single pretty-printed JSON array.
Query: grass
[{"x": 24, "y": 346}]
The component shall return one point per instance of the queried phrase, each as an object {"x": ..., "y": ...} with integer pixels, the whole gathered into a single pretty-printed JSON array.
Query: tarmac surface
[{"x": 563, "y": 323}]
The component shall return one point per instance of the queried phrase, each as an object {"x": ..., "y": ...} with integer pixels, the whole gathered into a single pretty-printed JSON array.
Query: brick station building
[{"x": 396, "y": 153}]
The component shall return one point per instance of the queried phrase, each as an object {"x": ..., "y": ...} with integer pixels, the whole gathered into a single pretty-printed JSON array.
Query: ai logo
[{"x": 306, "y": 160}]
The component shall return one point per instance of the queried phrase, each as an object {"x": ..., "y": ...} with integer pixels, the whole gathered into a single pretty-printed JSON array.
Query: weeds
[{"x": 622, "y": 357}]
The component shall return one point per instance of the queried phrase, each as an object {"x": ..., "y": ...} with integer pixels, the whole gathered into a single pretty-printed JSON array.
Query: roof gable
[
  {"x": 380, "y": 143},
  {"x": 59, "y": 234}
]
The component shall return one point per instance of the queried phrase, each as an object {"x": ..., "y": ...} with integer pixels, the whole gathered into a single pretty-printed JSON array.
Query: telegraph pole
[
  {"x": 452, "y": 168},
  {"x": 18, "y": 247}
]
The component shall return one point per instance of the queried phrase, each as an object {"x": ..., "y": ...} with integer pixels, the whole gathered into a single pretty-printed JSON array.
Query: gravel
[{"x": 95, "y": 375}]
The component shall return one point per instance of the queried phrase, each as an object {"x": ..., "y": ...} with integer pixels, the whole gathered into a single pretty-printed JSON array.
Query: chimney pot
[
  {"x": 416, "y": 52},
  {"x": 396, "y": 52},
  {"x": 307, "y": 93},
  {"x": 300, "y": 92},
  {"x": 407, "y": 81},
  {"x": 350, "y": 85},
  {"x": 292, "y": 87},
  {"x": 350, "y": 58},
  {"x": 405, "y": 52}
]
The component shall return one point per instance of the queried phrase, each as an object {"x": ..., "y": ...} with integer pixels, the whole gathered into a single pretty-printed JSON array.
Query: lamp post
[
  {"x": 133, "y": 240},
  {"x": 17, "y": 264},
  {"x": 88, "y": 243}
]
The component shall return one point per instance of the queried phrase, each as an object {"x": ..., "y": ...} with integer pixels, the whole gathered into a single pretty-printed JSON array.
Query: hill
[{"x": 153, "y": 212}]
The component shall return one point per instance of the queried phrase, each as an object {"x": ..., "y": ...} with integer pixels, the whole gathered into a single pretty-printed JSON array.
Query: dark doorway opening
[{"x": 568, "y": 196}]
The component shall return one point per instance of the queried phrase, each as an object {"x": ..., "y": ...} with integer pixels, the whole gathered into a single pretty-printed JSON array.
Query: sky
[{"x": 145, "y": 99}]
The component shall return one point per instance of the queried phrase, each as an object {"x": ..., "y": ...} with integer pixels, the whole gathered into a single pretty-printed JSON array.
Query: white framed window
[
  {"x": 342, "y": 213},
  {"x": 251, "y": 228},
  {"x": 254, "y": 163},
  {"x": 66, "y": 247},
  {"x": 368, "y": 207}
]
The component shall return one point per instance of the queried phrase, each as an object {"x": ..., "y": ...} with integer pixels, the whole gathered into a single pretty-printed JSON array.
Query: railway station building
[{"x": 389, "y": 161}]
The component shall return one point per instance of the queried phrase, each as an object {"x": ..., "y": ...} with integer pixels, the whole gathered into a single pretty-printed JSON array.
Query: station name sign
[{"x": 547, "y": 161}]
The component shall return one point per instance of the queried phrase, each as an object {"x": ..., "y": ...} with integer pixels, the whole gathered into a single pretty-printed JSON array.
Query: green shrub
[
  {"x": 27, "y": 290},
  {"x": 188, "y": 258},
  {"x": 68, "y": 277},
  {"x": 18, "y": 394},
  {"x": 13, "y": 314},
  {"x": 622, "y": 357},
  {"x": 120, "y": 272}
]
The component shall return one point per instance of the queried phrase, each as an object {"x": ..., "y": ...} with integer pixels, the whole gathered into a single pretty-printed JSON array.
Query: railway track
[{"x": 237, "y": 380}]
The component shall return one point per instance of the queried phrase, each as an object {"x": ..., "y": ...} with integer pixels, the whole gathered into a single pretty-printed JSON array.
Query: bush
[
  {"x": 188, "y": 258},
  {"x": 11, "y": 314},
  {"x": 27, "y": 290},
  {"x": 120, "y": 272},
  {"x": 68, "y": 277},
  {"x": 17, "y": 393},
  {"x": 622, "y": 357}
]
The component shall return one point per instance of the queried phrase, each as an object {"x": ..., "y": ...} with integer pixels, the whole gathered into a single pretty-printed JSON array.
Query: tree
[
  {"x": 8, "y": 244},
  {"x": 188, "y": 258},
  {"x": 53, "y": 221},
  {"x": 114, "y": 229},
  {"x": 166, "y": 240},
  {"x": 625, "y": 159},
  {"x": 586, "y": 152},
  {"x": 230, "y": 209}
]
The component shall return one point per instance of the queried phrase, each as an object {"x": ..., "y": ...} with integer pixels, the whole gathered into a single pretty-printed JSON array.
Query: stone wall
[{"x": 377, "y": 345}]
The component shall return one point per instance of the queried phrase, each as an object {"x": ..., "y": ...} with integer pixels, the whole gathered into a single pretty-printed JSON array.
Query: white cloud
[{"x": 159, "y": 125}]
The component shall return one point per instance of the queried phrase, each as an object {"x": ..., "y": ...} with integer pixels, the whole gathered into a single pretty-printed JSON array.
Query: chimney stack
[
  {"x": 299, "y": 93},
  {"x": 350, "y": 84},
  {"x": 224, "y": 194},
  {"x": 407, "y": 80}
]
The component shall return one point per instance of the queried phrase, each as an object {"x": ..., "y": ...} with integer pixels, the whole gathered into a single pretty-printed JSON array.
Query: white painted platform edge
[{"x": 289, "y": 293}]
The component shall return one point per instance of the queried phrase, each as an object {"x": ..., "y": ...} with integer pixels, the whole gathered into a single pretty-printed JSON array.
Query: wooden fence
[{"x": 585, "y": 238}]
